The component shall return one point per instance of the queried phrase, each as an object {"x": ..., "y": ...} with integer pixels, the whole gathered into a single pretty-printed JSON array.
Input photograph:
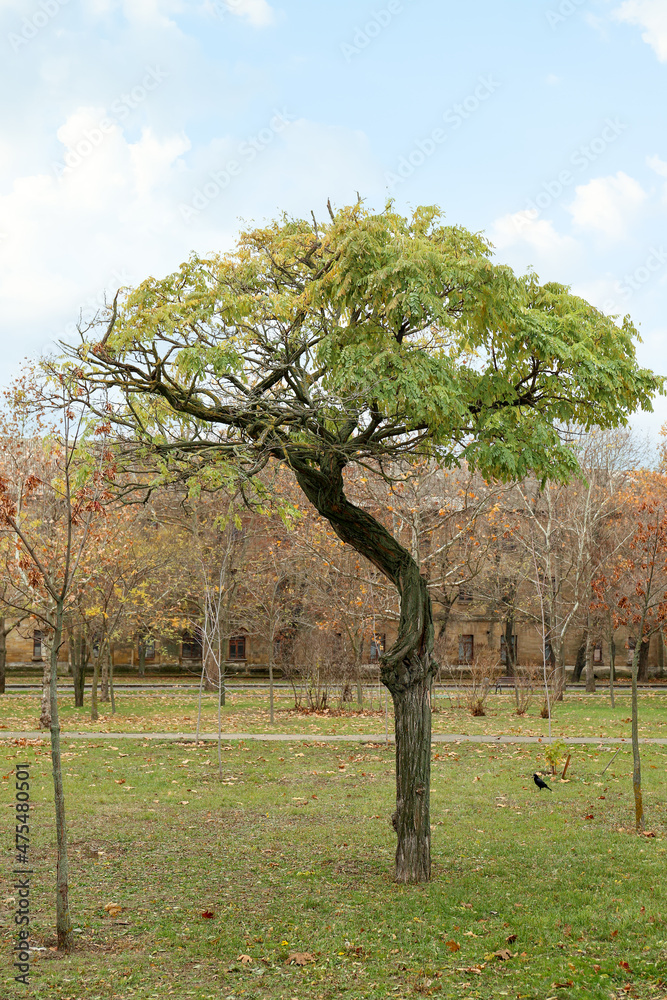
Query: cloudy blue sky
[{"x": 136, "y": 131}]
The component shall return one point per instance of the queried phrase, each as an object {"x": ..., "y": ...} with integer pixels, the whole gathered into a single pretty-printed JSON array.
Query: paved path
[{"x": 312, "y": 738}]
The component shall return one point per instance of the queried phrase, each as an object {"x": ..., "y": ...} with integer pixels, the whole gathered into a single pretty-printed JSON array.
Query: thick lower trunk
[
  {"x": 63, "y": 921},
  {"x": 412, "y": 822},
  {"x": 142, "y": 657},
  {"x": 407, "y": 669}
]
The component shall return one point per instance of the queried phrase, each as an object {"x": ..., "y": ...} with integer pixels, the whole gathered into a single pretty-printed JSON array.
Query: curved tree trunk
[{"x": 407, "y": 669}]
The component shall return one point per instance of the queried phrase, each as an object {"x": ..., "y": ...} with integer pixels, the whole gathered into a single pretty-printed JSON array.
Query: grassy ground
[
  {"x": 226, "y": 886},
  {"x": 248, "y": 712}
]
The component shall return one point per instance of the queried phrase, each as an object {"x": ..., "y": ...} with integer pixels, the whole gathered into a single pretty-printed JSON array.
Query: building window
[
  {"x": 191, "y": 647},
  {"x": 465, "y": 595},
  {"x": 237, "y": 647},
  {"x": 503, "y": 649},
  {"x": 149, "y": 649},
  {"x": 377, "y": 646},
  {"x": 597, "y": 654},
  {"x": 466, "y": 648},
  {"x": 37, "y": 645}
]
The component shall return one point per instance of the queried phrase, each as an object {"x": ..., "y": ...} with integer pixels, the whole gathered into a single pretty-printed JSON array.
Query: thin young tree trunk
[
  {"x": 63, "y": 920},
  {"x": 94, "y": 713},
  {"x": 3, "y": 655},
  {"x": 112, "y": 693},
  {"x": 612, "y": 670},
  {"x": 142, "y": 656},
  {"x": 590, "y": 674},
  {"x": 636, "y": 760},
  {"x": 104, "y": 682},
  {"x": 45, "y": 709},
  {"x": 271, "y": 716}
]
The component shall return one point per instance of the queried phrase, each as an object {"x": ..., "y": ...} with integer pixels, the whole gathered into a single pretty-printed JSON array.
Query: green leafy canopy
[{"x": 367, "y": 336}]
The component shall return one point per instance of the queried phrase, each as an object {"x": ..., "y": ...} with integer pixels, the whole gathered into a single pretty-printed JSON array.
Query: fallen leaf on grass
[
  {"x": 113, "y": 909},
  {"x": 511, "y": 939},
  {"x": 473, "y": 968},
  {"x": 562, "y": 986},
  {"x": 624, "y": 965},
  {"x": 453, "y": 945},
  {"x": 208, "y": 914},
  {"x": 300, "y": 958},
  {"x": 467, "y": 906},
  {"x": 244, "y": 959},
  {"x": 503, "y": 955},
  {"x": 649, "y": 833}
]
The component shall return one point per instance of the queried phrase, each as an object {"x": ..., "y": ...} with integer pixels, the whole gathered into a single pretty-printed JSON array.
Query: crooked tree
[{"x": 366, "y": 339}]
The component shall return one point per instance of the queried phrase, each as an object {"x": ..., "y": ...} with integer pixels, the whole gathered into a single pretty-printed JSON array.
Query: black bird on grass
[{"x": 540, "y": 784}]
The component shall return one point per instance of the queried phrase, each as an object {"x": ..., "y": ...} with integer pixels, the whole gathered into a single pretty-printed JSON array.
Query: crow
[{"x": 540, "y": 784}]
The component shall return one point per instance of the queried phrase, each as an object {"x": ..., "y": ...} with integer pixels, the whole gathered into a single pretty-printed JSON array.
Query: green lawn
[
  {"x": 248, "y": 712},
  {"x": 292, "y": 855}
]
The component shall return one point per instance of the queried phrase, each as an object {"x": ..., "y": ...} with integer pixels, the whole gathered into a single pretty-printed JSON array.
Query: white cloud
[
  {"x": 658, "y": 165},
  {"x": 650, "y": 15},
  {"x": 108, "y": 210},
  {"x": 258, "y": 13},
  {"x": 608, "y": 204},
  {"x": 526, "y": 227}
]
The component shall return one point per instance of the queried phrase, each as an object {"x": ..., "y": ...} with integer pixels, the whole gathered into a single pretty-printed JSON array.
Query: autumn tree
[
  {"x": 636, "y": 590},
  {"x": 367, "y": 338},
  {"x": 51, "y": 490}
]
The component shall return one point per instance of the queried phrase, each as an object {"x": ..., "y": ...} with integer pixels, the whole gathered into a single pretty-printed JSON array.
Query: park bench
[{"x": 504, "y": 682}]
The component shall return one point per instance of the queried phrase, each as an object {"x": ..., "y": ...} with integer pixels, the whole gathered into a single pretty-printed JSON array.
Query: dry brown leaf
[
  {"x": 244, "y": 959},
  {"x": 453, "y": 945},
  {"x": 562, "y": 986},
  {"x": 300, "y": 958},
  {"x": 113, "y": 909},
  {"x": 504, "y": 954}
]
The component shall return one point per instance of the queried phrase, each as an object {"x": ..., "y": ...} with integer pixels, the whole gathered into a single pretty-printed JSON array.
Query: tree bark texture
[
  {"x": 407, "y": 669},
  {"x": 63, "y": 920},
  {"x": 612, "y": 670}
]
